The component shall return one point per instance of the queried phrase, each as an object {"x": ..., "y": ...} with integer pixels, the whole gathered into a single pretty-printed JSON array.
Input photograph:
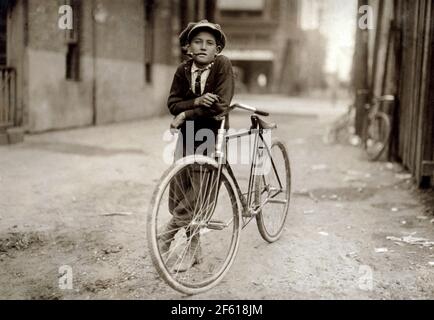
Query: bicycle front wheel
[
  {"x": 377, "y": 136},
  {"x": 272, "y": 192},
  {"x": 194, "y": 225}
]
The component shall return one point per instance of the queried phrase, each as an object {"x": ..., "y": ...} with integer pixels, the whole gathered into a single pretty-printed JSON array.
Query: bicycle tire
[
  {"x": 172, "y": 278},
  {"x": 377, "y": 136},
  {"x": 262, "y": 217}
]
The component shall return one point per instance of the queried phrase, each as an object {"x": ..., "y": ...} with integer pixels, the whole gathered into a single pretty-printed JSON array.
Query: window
[
  {"x": 241, "y": 5},
  {"x": 72, "y": 40},
  {"x": 149, "y": 39},
  {"x": 241, "y": 8},
  {"x": 73, "y": 62},
  {"x": 3, "y": 32}
]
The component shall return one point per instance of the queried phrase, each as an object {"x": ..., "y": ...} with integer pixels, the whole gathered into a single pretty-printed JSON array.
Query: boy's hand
[
  {"x": 177, "y": 122},
  {"x": 207, "y": 100}
]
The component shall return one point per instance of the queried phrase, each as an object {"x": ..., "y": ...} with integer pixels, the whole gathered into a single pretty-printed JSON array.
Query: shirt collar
[{"x": 194, "y": 68}]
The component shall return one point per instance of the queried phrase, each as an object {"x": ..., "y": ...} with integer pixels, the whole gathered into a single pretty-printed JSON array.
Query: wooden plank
[
  {"x": 402, "y": 66},
  {"x": 415, "y": 168},
  {"x": 360, "y": 72},
  {"x": 413, "y": 62},
  {"x": 428, "y": 147},
  {"x": 403, "y": 82},
  {"x": 406, "y": 74},
  {"x": 377, "y": 45},
  {"x": 393, "y": 82},
  {"x": 408, "y": 81},
  {"x": 424, "y": 82}
]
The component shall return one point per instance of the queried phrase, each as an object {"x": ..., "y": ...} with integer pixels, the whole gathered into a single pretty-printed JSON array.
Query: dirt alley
[{"x": 80, "y": 198}]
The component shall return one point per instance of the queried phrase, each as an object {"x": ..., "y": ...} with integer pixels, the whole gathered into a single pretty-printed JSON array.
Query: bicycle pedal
[{"x": 217, "y": 225}]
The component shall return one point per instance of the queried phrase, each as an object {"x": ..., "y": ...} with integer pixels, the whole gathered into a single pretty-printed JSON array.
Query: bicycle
[
  {"x": 342, "y": 129},
  {"x": 376, "y": 128},
  {"x": 220, "y": 210}
]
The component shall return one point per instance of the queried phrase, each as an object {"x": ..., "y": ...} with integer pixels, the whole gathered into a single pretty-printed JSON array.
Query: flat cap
[{"x": 195, "y": 27}]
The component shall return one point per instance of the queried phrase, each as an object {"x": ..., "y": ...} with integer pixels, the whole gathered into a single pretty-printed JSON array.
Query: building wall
[
  {"x": 54, "y": 102},
  {"x": 112, "y": 85},
  {"x": 312, "y": 60},
  {"x": 120, "y": 84},
  {"x": 287, "y": 48},
  {"x": 275, "y": 30}
]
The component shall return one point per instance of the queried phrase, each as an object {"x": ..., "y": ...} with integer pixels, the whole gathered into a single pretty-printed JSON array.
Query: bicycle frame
[{"x": 249, "y": 211}]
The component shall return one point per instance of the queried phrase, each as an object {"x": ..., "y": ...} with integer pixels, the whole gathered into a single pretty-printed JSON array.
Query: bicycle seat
[{"x": 264, "y": 124}]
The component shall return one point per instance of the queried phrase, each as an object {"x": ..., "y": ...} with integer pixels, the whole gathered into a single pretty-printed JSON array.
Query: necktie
[
  {"x": 197, "y": 86},
  {"x": 197, "y": 89}
]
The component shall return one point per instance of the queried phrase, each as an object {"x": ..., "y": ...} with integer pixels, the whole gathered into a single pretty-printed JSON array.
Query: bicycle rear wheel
[
  {"x": 377, "y": 135},
  {"x": 193, "y": 217},
  {"x": 272, "y": 192}
]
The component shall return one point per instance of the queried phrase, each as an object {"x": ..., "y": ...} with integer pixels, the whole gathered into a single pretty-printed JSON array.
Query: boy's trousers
[{"x": 192, "y": 191}]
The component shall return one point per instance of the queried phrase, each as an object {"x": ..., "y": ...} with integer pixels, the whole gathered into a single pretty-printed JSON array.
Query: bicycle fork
[{"x": 220, "y": 155}]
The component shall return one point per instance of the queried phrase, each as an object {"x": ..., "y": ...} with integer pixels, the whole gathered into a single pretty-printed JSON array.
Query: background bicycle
[{"x": 376, "y": 128}]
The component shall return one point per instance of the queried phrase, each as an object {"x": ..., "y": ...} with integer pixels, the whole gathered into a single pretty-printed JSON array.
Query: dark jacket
[
  {"x": 220, "y": 81},
  {"x": 181, "y": 99}
]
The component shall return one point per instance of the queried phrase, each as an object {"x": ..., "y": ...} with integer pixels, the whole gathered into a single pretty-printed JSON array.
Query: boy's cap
[{"x": 193, "y": 28}]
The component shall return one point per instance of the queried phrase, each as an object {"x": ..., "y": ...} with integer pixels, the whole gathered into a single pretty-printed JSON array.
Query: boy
[{"x": 202, "y": 88}]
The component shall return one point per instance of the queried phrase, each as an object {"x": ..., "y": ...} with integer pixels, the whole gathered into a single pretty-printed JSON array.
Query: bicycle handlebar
[
  {"x": 242, "y": 106},
  {"x": 375, "y": 99},
  {"x": 387, "y": 97},
  {"x": 251, "y": 109}
]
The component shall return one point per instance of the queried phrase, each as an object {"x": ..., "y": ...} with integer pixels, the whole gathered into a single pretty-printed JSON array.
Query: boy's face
[{"x": 204, "y": 48}]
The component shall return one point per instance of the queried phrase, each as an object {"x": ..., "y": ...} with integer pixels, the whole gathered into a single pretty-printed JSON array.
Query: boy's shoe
[
  {"x": 193, "y": 256},
  {"x": 163, "y": 246},
  {"x": 166, "y": 236}
]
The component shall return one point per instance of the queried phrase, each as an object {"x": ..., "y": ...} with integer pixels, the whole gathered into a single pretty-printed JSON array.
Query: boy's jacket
[{"x": 181, "y": 99}]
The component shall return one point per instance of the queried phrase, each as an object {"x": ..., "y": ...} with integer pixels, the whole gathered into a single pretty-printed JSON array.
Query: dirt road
[{"x": 79, "y": 199}]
